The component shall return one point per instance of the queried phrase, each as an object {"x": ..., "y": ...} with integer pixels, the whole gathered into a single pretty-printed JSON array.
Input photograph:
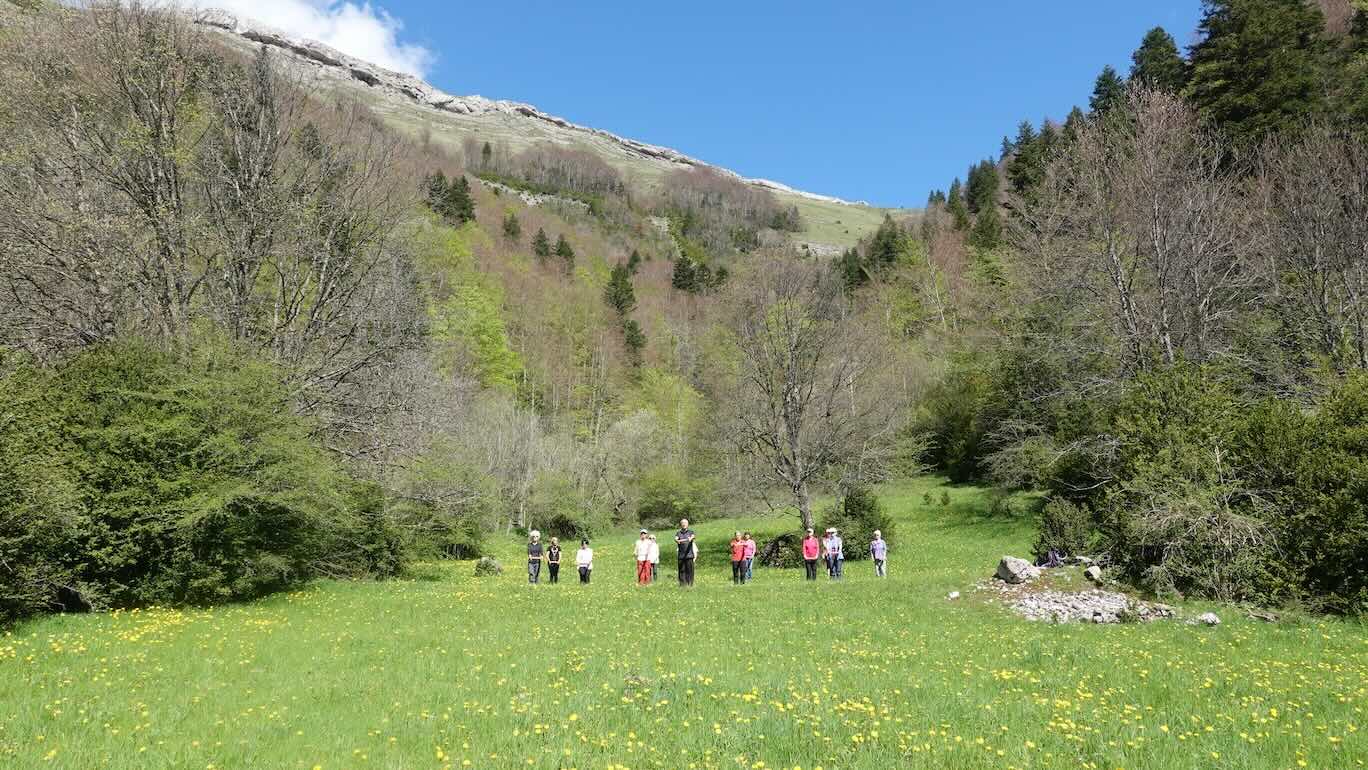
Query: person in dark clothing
[
  {"x": 553, "y": 556},
  {"x": 534, "y": 557},
  {"x": 684, "y": 539}
]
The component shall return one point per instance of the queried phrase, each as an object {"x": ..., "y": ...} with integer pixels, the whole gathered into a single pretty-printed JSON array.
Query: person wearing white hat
[
  {"x": 833, "y": 550},
  {"x": 643, "y": 558},
  {"x": 534, "y": 557},
  {"x": 878, "y": 551}
]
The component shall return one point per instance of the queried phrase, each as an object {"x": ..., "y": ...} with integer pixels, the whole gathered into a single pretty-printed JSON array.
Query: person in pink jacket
[
  {"x": 750, "y": 557},
  {"x": 812, "y": 548}
]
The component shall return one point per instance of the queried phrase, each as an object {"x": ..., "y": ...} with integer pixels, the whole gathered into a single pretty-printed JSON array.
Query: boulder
[
  {"x": 1209, "y": 619},
  {"x": 953, "y": 595},
  {"x": 488, "y": 566},
  {"x": 1014, "y": 570},
  {"x": 1093, "y": 573}
]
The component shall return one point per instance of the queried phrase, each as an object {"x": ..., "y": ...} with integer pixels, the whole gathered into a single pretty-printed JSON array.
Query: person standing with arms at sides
[
  {"x": 584, "y": 559},
  {"x": 654, "y": 557},
  {"x": 835, "y": 555},
  {"x": 811, "y": 550},
  {"x": 878, "y": 551},
  {"x": 684, "y": 539},
  {"x": 534, "y": 557},
  {"x": 643, "y": 558},
  {"x": 750, "y": 557},
  {"x": 553, "y": 561},
  {"x": 738, "y": 559}
]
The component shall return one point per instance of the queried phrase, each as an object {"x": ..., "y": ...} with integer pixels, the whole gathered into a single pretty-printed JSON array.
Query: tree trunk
[{"x": 804, "y": 505}]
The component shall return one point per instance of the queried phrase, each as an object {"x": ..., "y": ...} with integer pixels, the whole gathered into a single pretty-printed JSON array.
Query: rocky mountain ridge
[{"x": 327, "y": 62}]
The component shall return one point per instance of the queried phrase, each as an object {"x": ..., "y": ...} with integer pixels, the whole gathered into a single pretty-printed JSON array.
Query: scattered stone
[
  {"x": 1092, "y": 606},
  {"x": 1093, "y": 573},
  {"x": 953, "y": 595},
  {"x": 487, "y": 566},
  {"x": 1209, "y": 619},
  {"x": 1014, "y": 570}
]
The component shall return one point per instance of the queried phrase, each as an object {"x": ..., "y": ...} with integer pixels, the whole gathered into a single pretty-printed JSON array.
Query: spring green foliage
[
  {"x": 131, "y": 477},
  {"x": 1157, "y": 63},
  {"x": 669, "y": 493},
  {"x": 512, "y": 228},
  {"x": 1260, "y": 65},
  {"x": 469, "y": 326}
]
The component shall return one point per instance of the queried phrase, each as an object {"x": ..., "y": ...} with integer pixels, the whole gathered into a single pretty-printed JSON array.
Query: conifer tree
[
  {"x": 1259, "y": 66},
  {"x": 987, "y": 232},
  {"x": 541, "y": 245},
  {"x": 512, "y": 228},
  {"x": 1073, "y": 124},
  {"x": 1026, "y": 168},
  {"x": 685, "y": 275},
  {"x": 457, "y": 206},
  {"x": 1108, "y": 92},
  {"x": 634, "y": 262},
  {"x": 1157, "y": 64},
  {"x": 954, "y": 203},
  {"x": 850, "y": 266},
  {"x": 619, "y": 293},
  {"x": 435, "y": 188},
  {"x": 981, "y": 192},
  {"x": 486, "y": 156},
  {"x": 634, "y": 339},
  {"x": 566, "y": 254}
]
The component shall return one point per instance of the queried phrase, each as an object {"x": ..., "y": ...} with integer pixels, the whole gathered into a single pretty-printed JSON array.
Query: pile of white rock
[{"x": 1093, "y": 606}]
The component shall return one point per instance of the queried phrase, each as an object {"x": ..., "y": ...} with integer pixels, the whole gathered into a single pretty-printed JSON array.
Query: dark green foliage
[
  {"x": 1157, "y": 64},
  {"x": 1026, "y": 168},
  {"x": 1259, "y": 66},
  {"x": 982, "y": 188},
  {"x": 634, "y": 339},
  {"x": 1065, "y": 527},
  {"x": 512, "y": 228},
  {"x": 685, "y": 275},
  {"x": 541, "y": 245},
  {"x": 453, "y": 201},
  {"x": 955, "y": 204},
  {"x": 1073, "y": 124},
  {"x": 566, "y": 253},
  {"x": 1108, "y": 92},
  {"x": 851, "y": 267},
  {"x": 856, "y": 516},
  {"x": 634, "y": 262},
  {"x": 887, "y": 246},
  {"x": 618, "y": 294},
  {"x": 129, "y": 477},
  {"x": 434, "y": 184},
  {"x": 987, "y": 232},
  {"x": 935, "y": 197},
  {"x": 951, "y": 415},
  {"x": 486, "y": 155}
]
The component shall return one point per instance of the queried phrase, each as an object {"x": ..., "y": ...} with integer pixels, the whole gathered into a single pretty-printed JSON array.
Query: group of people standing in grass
[{"x": 830, "y": 549}]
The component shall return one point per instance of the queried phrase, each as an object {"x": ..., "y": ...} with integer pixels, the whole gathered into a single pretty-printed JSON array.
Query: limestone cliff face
[{"x": 323, "y": 62}]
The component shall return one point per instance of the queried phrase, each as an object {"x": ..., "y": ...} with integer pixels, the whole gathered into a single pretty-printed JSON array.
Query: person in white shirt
[
  {"x": 654, "y": 557},
  {"x": 584, "y": 559},
  {"x": 643, "y": 558}
]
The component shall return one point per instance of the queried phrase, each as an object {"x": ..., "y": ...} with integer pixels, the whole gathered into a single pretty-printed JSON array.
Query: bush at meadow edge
[{"x": 130, "y": 477}]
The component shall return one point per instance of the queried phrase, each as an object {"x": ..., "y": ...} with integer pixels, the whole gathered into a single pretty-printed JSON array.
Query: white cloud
[{"x": 359, "y": 29}]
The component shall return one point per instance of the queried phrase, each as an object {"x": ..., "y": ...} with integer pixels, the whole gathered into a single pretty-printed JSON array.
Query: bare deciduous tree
[{"x": 804, "y": 401}]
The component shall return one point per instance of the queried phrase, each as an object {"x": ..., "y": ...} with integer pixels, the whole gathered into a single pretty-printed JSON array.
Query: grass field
[{"x": 454, "y": 671}]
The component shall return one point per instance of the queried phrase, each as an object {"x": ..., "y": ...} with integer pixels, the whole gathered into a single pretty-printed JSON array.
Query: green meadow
[{"x": 445, "y": 670}]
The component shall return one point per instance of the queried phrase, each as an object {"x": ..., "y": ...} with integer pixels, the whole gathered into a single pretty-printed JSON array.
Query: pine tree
[
  {"x": 887, "y": 244},
  {"x": 685, "y": 276},
  {"x": 1157, "y": 64},
  {"x": 619, "y": 293},
  {"x": 1009, "y": 148},
  {"x": 1108, "y": 92},
  {"x": 1073, "y": 124},
  {"x": 850, "y": 267},
  {"x": 634, "y": 339},
  {"x": 486, "y": 156},
  {"x": 512, "y": 228},
  {"x": 1351, "y": 92},
  {"x": 1027, "y": 167},
  {"x": 954, "y": 203},
  {"x": 1259, "y": 67},
  {"x": 457, "y": 206},
  {"x": 435, "y": 188},
  {"x": 634, "y": 262},
  {"x": 566, "y": 254},
  {"x": 541, "y": 245},
  {"x": 987, "y": 232},
  {"x": 981, "y": 191}
]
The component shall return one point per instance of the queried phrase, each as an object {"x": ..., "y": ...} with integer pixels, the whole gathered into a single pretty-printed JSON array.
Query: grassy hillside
[{"x": 453, "y": 671}]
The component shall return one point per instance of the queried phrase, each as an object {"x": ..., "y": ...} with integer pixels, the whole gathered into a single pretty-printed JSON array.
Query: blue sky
[{"x": 877, "y": 101}]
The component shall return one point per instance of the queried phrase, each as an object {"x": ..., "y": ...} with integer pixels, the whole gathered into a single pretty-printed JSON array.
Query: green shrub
[
  {"x": 1065, "y": 527},
  {"x": 856, "y": 516},
  {"x": 488, "y": 566},
  {"x": 668, "y": 494},
  {"x": 129, "y": 476}
]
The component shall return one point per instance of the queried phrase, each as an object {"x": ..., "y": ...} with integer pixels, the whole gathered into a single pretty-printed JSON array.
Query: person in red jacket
[
  {"x": 811, "y": 550},
  {"x": 738, "y": 559}
]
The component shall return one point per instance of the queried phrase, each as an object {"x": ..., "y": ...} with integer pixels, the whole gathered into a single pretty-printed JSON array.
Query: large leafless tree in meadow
[{"x": 809, "y": 395}]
